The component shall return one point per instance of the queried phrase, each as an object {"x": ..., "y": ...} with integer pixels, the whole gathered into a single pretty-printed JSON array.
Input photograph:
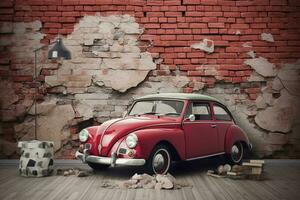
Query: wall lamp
[{"x": 58, "y": 51}]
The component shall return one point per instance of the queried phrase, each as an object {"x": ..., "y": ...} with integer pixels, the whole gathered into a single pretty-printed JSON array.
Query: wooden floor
[{"x": 283, "y": 182}]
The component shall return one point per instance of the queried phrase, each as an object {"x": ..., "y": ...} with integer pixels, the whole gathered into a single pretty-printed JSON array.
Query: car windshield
[{"x": 171, "y": 108}]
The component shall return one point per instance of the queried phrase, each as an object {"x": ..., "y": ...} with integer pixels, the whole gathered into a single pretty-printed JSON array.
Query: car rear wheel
[
  {"x": 97, "y": 167},
  {"x": 236, "y": 154},
  {"x": 160, "y": 160}
]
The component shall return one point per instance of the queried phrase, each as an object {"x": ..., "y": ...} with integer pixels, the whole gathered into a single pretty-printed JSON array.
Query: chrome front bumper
[{"x": 113, "y": 161}]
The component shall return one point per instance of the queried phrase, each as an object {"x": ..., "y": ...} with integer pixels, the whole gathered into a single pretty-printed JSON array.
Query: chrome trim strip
[
  {"x": 162, "y": 124},
  {"x": 216, "y": 154},
  {"x": 207, "y": 121}
]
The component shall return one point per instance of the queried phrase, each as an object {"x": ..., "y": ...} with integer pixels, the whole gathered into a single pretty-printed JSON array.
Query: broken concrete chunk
[
  {"x": 220, "y": 170},
  {"x": 69, "y": 172},
  {"x": 198, "y": 86},
  {"x": 66, "y": 173},
  {"x": 136, "y": 177},
  {"x": 267, "y": 37},
  {"x": 122, "y": 80},
  {"x": 148, "y": 182},
  {"x": 158, "y": 186},
  {"x": 251, "y": 54},
  {"x": 206, "y": 45},
  {"x": 255, "y": 77},
  {"x": 276, "y": 84},
  {"x": 262, "y": 66},
  {"x": 227, "y": 168},
  {"x": 150, "y": 185},
  {"x": 268, "y": 97},
  {"x": 82, "y": 174},
  {"x": 260, "y": 102},
  {"x": 166, "y": 182}
]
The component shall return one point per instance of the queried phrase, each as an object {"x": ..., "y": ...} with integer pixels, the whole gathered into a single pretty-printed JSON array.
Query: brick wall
[
  {"x": 170, "y": 29},
  {"x": 173, "y": 25}
]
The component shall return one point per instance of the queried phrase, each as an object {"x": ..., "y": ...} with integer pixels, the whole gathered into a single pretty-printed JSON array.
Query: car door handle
[{"x": 213, "y": 126}]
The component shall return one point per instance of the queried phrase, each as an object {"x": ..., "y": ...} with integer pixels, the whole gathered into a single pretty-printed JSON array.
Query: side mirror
[
  {"x": 124, "y": 114},
  {"x": 192, "y": 118}
]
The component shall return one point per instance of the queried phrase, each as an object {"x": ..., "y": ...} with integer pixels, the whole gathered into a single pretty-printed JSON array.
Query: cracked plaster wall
[{"x": 99, "y": 82}]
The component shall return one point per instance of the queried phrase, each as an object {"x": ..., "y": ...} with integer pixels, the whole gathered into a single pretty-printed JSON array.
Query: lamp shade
[{"x": 59, "y": 51}]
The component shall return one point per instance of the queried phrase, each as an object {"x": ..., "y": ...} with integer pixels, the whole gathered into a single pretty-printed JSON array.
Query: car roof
[{"x": 182, "y": 96}]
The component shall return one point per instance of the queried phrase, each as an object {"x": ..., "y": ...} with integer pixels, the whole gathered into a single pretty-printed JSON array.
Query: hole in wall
[
  {"x": 276, "y": 95},
  {"x": 85, "y": 124}
]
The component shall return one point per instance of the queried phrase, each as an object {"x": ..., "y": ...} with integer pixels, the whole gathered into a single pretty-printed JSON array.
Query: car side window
[
  {"x": 221, "y": 114},
  {"x": 200, "y": 110}
]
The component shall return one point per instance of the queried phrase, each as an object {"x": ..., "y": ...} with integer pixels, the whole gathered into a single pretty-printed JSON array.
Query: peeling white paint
[
  {"x": 206, "y": 45},
  {"x": 262, "y": 66},
  {"x": 267, "y": 37}
]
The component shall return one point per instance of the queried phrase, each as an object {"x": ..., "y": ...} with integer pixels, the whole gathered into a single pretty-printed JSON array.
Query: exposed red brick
[
  {"x": 240, "y": 26},
  {"x": 188, "y": 90},
  {"x": 22, "y": 78},
  {"x": 194, "y": 14},
  {"x": 216, "y": 25},
  {"x": 173, "y": 14},
  {"x": 52, "y": 13},
  {"x": 87, "y": 2},
  {"x": 278, "y": 2},
  {"x": 184, "y": 37},
  {"x": 70, "y": 2},
  {"x": 252, "y": 96},
  {"x": 52, "y": 25},
  {"x": 172, "y": 2},
  {"x": 213, "y": 14}
]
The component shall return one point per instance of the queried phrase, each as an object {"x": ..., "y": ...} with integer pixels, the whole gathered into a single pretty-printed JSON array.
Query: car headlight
[
  {"x": 83, "y": 135},
  {"x": 131, "y": 140}
]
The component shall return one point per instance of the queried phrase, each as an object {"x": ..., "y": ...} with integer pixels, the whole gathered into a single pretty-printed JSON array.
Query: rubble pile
[
  {"x": 147, "y": 181},
  {"x": 72, "y": 171},
  {"x": 248, "y": 170}
]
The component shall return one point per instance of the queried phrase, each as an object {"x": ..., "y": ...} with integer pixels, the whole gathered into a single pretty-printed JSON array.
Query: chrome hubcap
[
  {"x": 161, "y": 161},
  {"x": 158, "y": 161},
  {"x": 236, "y": 152}
]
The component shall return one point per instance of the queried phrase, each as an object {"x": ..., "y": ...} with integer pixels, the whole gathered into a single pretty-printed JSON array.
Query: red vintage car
[{"x": 161, "y": 128}]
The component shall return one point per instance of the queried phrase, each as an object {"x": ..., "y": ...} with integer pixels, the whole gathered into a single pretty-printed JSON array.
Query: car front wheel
[
  {"x": 236, "y": 154},
  {"x": 160, "y": 160}
]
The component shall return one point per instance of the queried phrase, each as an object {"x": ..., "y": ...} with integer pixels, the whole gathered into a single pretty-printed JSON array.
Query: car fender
[
  {"x": 149, "y": 138},
  {"x": 234, "y": 134}
]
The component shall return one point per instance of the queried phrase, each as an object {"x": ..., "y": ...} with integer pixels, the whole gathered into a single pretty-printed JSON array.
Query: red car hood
[{"x": 112, "y": 130}]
